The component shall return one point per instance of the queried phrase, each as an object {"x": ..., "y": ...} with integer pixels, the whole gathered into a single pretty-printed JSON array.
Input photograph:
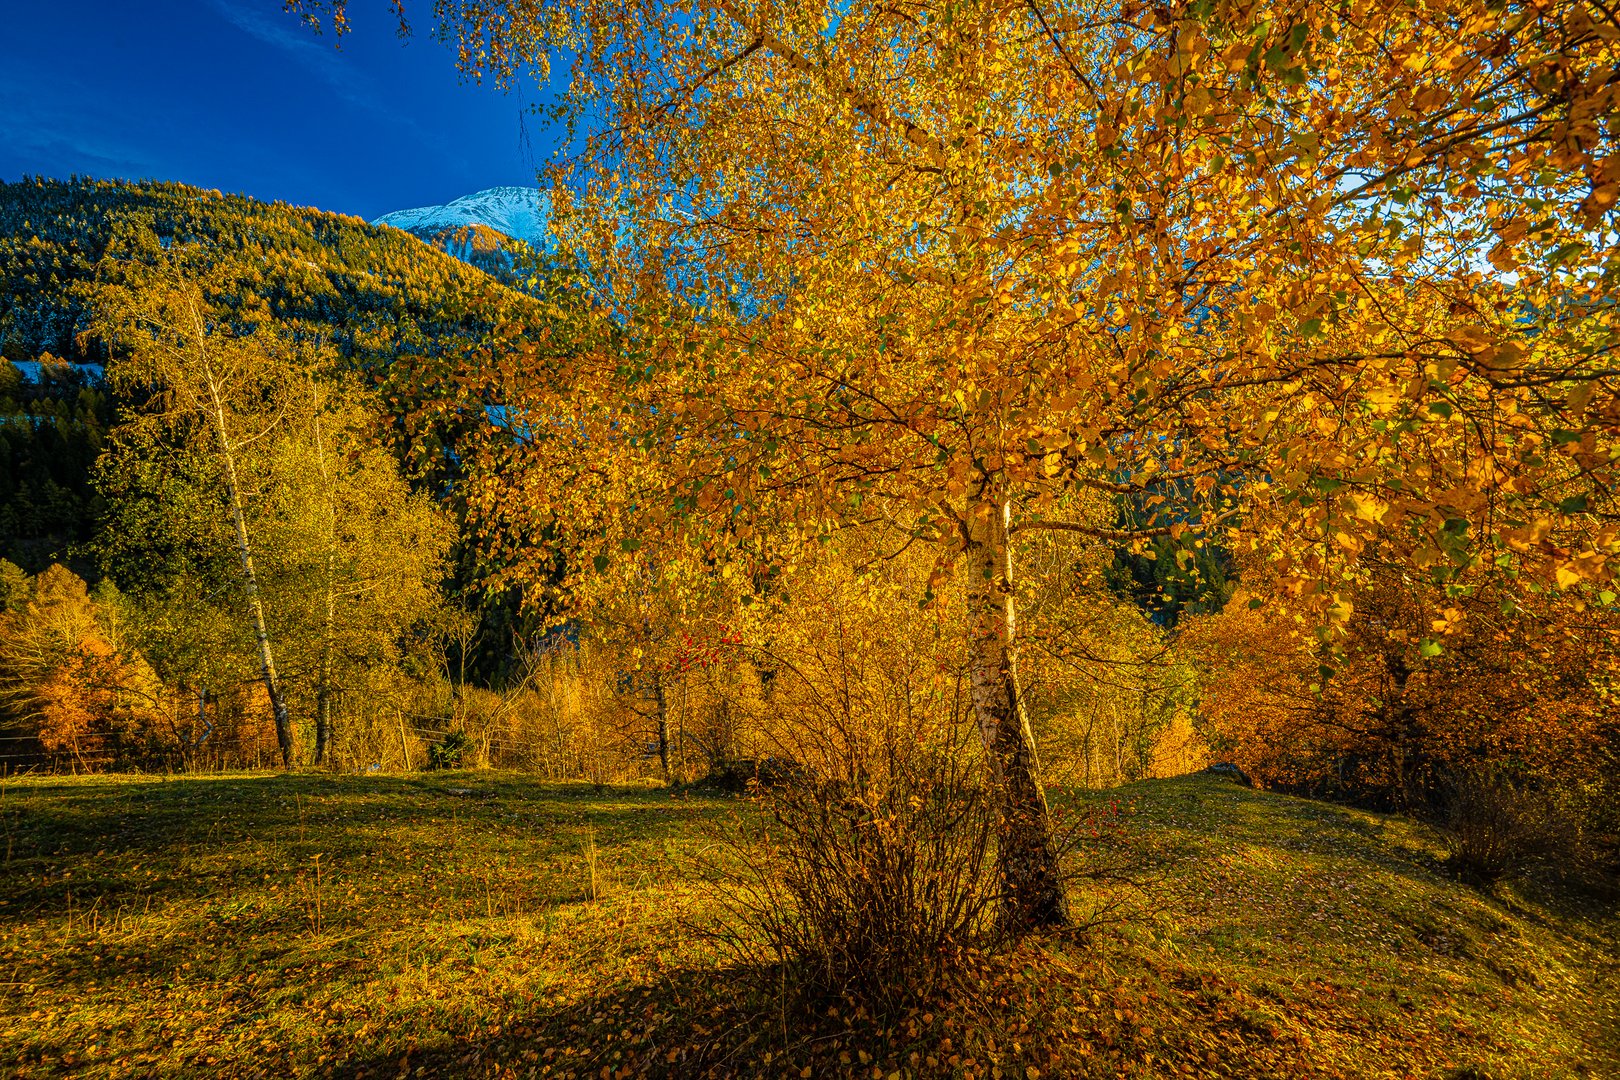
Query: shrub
[
  {"x": 1420, "y": 683},
  {"x": 1598, "y": 806},
  {"x": 743, "y": 775},
  {"x": 869, "y": 872},
  {"x": 451, "y": 751},
  {"x": 1494, "y": 823},
  {"x": 873, "y": 890}
]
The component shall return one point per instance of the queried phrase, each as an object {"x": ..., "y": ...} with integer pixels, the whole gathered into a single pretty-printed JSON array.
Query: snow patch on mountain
[{"x": 519, "y": 212}]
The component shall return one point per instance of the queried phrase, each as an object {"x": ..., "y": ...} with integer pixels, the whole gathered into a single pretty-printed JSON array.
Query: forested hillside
[
  {"x": 231, "y": 499},
  {"x": 476, "y": 245},
  {"x": 373, "y": 294},
  {"x": 52, "y": 427}
]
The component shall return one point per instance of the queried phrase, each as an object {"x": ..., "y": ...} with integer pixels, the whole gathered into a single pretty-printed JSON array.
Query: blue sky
[{"x": 237, "y": 95}]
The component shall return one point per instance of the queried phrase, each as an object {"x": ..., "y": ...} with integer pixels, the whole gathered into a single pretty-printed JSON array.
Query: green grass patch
[{"x": 453, "y": 924}]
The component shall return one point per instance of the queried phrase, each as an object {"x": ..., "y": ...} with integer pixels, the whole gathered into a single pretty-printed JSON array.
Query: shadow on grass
[
  {"x": 690, "y": 1024},
  {"x": 212, "y": 835},
  {"x": 1013, "y": 1008},
  {"x": 257, "y": 973}
]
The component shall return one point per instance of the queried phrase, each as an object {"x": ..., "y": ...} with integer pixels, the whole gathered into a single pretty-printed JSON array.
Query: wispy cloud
[{"x": 316, "y": 55}]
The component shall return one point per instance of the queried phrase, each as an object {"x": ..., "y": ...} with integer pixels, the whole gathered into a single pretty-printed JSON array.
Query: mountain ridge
[
  {"x": 520, "y": 213},
  {"x": 484, "y": 229}
]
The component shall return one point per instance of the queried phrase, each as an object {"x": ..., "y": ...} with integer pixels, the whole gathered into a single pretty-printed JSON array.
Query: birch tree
[
  {"x": 359, "y": 557},
  {"x": 212, "y": 370},
  {"x": 253, "y": 470},
  {"x": 956, "y": 265}
]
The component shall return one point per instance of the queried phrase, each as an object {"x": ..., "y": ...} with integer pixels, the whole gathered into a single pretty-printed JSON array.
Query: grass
[{"x": 481, "y": 924}]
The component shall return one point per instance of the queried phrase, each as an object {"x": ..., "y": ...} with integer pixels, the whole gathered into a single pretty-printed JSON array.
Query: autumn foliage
[
  {"x": 1419, "y": 685},
  {"x": 1489, "y": 705},
  {"x": 1326, "y": 284},
  {"x": 924, "y": 410},
  {"x": 67, "y": 688}
]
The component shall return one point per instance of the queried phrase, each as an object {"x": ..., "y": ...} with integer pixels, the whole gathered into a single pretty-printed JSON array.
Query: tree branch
[
  {"x": 865, "y": 103},
  {"x": 1118, "y": 535}
]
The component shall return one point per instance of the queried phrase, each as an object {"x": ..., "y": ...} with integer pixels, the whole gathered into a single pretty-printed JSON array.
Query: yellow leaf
[
  {"x": 1471, "y": 338},
  {"x": 1368, "y": 508}
]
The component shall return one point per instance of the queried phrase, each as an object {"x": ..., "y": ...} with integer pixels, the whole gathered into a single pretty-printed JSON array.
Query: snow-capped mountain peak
[{"x": 519, "y": 212}]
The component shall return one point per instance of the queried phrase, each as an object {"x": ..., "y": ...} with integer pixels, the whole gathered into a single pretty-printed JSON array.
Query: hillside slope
[
  {"x": 373, "y": 291},
  {"x": 377, "y": 294},
  {"x": 460, "y": 926}
]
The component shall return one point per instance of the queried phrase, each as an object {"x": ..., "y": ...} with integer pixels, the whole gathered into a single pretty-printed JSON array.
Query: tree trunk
[
  {"x": 662, "y": 702},
  {"x": 193, "y": 751},
  {"x": 1026, "y": 858},
  {"x": 244, "y": 550},
  {"x": 680, "y": 734},
  {"x": 324, "y": 691},
  {"x": 323, "y": 718}
]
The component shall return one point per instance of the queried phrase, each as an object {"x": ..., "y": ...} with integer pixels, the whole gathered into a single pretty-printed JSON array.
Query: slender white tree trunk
[
  {"x": 324, "y": 689},
  {"x": 244, "y": 551},
  {"x": 1031, "y": 880}
]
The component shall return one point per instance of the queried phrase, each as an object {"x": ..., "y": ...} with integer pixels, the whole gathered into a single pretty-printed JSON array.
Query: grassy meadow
[{"x": 482, "y": 924}]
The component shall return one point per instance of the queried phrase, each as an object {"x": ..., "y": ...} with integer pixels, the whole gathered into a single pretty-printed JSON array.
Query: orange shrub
[{"x": 1416, "y": 687}]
